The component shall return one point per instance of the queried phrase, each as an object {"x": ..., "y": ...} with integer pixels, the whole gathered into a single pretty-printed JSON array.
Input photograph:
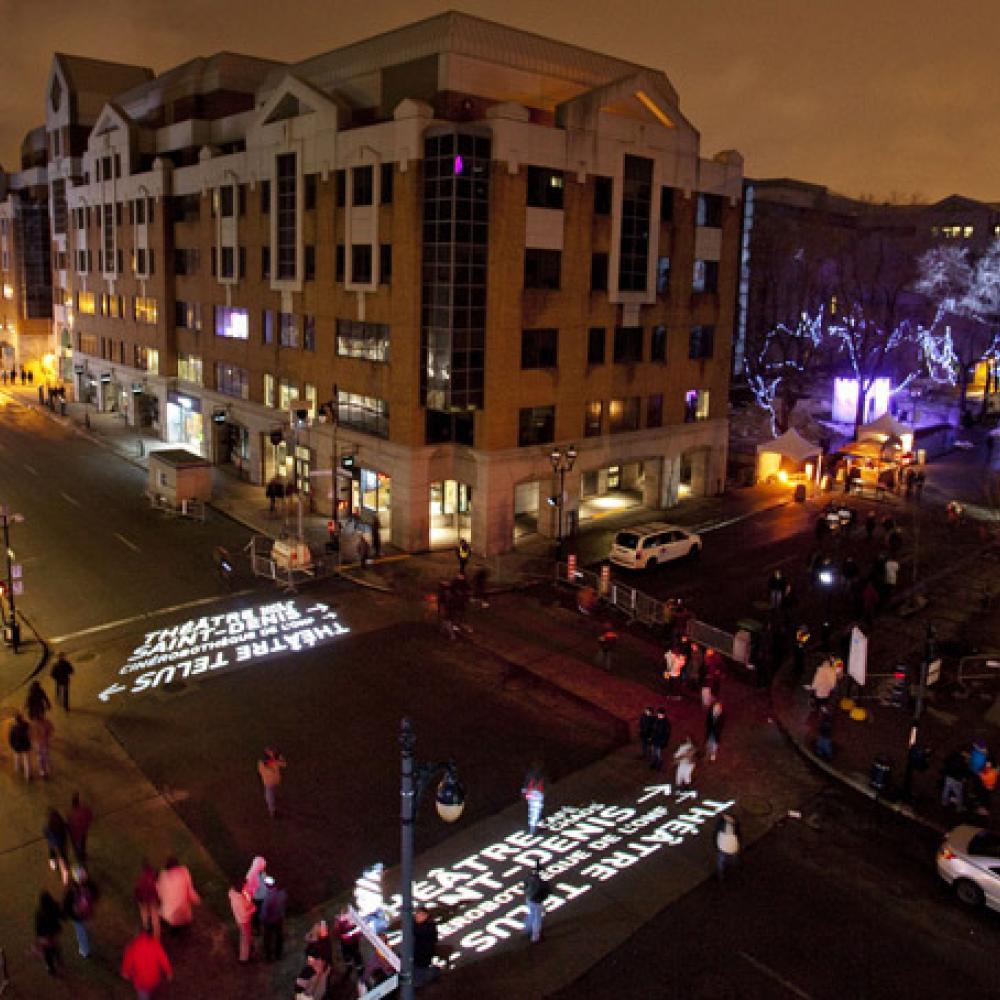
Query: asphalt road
[{"x": 842, "y": 903}]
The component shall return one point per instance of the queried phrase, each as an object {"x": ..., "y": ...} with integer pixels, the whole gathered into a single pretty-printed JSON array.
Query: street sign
[
  {"x": 933, "y": 672},
  {"x": 373, "y": 939},
  {"x": 15, "y": 571}
]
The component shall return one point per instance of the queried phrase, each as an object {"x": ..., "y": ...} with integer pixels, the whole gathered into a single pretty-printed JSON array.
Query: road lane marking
[
  {"x": 57, "y": 639},
  {"x": 125, "y": 541},
  {"x": 69, "y": 499},
  {"x": 768, "y": 971},
  {"x": 31, "y": 469}
]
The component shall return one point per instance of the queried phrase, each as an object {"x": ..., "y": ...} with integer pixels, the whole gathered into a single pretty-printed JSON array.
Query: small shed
[
  {"x": 177, "y": 476},
  {"x": 886, "y": 427},
  {"x": 789, "y": 452}
]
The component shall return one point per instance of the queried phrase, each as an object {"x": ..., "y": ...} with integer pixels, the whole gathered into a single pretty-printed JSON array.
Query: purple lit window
[{"x": 458, "y": 165}]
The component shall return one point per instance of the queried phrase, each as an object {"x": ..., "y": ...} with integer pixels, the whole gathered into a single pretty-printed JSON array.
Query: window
[
  {"x": 189, "y": 368},
  {"x": 701, "y": 342},
  {"x": 241, "y": 262},
  {"x": 536, "y": 425},
  {"x": 541, "y": 268},
  {"x": 539, "y": 348},
  {"x": 654, "y": 410},
  {"x": 267, "y": 327},
  {"x": 602, "y": 195},
  {"x": 339, "y": 263},
  {"x": 119, "y": 213},
  {"x": 385, "y": 264},
  {"x": 658, "y": 344},
  {"x": 545, "y": 188},
  {"x": 706, "y": 276},
  {"x": 666, "y": 204},
  {"x": 232, "y": 381},
  {"x": 362, "y": 340},
  {"x": 709, "y": 210},
  {"x": 362, "y": 180},
  {"x": 146, "y": 359},
  {"x": 340, "y": 179},
  {"x": 596, "y": 340},
  {"x": 186, "y": 262},
  {"x": 623, "y": 415},
  {"x": 695, "y": 405},
  {"x": 365, "y": 413},
  {"x": 232, "y": 323},
  {"x": 599, "y": 272},
  {"x": 108, "y": 219},
  {"x": 286, "y": 216},
  {"x": 309, "y": 192},
  {"x": 288, "y": 330},
  {"x": 265, "y": 197},
  {"x": 628, "y": 345},
  {"x": 637, "y": 192},
  {"x": 228, "y": 262},
  {"x": 309, "y": 262},
  {"x": 187, "y": 315},
  {"x": 593, "y": 418},
  {"x": 215, "y": 261},
  {"x": 662, "y": 275},
  {"x": 265, "y": 262},
  {"x": 287, "y": 391},
  {"x": 311, "y": 396},
  {"x": 268, "y": 389},
  {"x": 86, "y": 303},
  {"x": 385, "y": 184},
  {"x": 60, "y": 211},
  {"x": 137, "y": 209},
  {"x": 309, "y": 333},
  {"x": 226, "y": 202},
  {"x": 118, "y": 165},
  {"x": 361, "y": 263},
  {"x": 144, "y": 309}
]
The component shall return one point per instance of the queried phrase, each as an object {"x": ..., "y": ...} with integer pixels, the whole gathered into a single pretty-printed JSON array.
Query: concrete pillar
[
  {"x": 671, "y": 481},
  {"x": 652, "y": 483},
  {"x": 699, "y": 477},
  {"x": 411, "y": 498}
]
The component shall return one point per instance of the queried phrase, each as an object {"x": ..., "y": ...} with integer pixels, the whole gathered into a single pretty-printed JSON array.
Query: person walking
[
  {"x": 824, "y": 683},
  {"x": 147, "y": 899},
  {"x": 175, "y": 887},
  {"x": 78, "y": 821},
  {"x": 871, "y": 522},
  {"x": 659, "y": 738},
  {"x": 533, "y": 791},
  {"x": 776, "y": 588},
  {"x": 362, "y": 550},
  {"x": 955, "y": 770},
  {"x": 727, "y": 843},
  {"x": 463, "y": 553},
  {"x": 272, "y": 919},
  {"x": 48, "y": 924},
  {"x": 713, "y": 729},
  {"x": 686, "y": 756},
  {"x": 54, "y": 833},
  {"x": 891, "y": 570},
  {"x": 606, "y": 643},
  {"x": 19, "y": 738},
  {"x": 673, "y": 667},
  {"x": 536, "y": 891},
  {"x": 347, "y": 933},
  {"x": 824, "y": 734},
  {"x": 61, "y": 672},
  {"x": 313, "y": 982},
  {"x": 37, "y": 702},
  {"x": 243, "y": 909},
  {"x": 646, "y": 721},
  {"x": 41, "y": 730},
  {"x": 253, "y": 882},
  {"x": 376, "y": 537},
  {"x": 145, "y": 964},
  {"x": 78, "y": 907},
  {"x": 269, "y": 768}
]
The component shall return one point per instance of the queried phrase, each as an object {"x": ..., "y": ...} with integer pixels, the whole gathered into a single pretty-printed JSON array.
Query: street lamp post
[
  {"x": 562, "y": 462},
  {"x": 450, "y": 801},
  {"x": 12, "y": 628}
]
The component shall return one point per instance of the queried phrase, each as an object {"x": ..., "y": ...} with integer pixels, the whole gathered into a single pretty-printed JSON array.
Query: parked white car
[
  {"x": 969, "y": 861},
  {"x": 648, "y": 545}
]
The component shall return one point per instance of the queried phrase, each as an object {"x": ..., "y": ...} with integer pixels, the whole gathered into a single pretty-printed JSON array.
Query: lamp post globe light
[
  {"x": 449, "y": 801},
  {"x": 562, "y": 462}
]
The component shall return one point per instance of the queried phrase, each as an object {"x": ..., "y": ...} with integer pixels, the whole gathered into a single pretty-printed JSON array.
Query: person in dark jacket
[
  {"x": 646, "y": 721},
  {"x": 61, "y": 672},
  {"x": 78, "y": 907},
  {"x": 55, "y": 833},
  {"x": 425, "y": 940},
  {"x": 37, "y": 702},
  {"x": 272, "y": 919},
  {"x": 659, "y": 738},
  {"x": 78, "y": 821},
  {"x": 48, "y": 923},
  {"x": 713, "y": 729},
  {"x": 19, "y": 739}
]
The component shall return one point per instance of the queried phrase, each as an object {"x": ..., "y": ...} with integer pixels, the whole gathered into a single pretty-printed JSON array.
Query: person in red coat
[{"x": 145, "y": 964}]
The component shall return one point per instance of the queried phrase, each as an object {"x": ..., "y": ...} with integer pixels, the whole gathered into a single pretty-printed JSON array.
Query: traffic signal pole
[{"x": 12, "y": 620}]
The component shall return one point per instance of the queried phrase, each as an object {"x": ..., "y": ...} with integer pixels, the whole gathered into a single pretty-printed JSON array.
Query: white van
[{"x": 644, "y": 546}]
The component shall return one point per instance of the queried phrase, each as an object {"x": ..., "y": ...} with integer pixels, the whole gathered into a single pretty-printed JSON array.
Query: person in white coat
[
  {"x": 685, "y": 755},
  {"x": 177, "y": 894}
]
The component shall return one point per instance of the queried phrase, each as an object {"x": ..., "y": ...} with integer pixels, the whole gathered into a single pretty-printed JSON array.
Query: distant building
[{"x": 442, "y": 252}]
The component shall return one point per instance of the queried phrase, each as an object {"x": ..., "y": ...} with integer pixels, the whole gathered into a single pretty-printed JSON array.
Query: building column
[
  {"x": 411, "y": 514},
  {"x": 670, "y": 485},
  {"x": 652, "y": 483}
]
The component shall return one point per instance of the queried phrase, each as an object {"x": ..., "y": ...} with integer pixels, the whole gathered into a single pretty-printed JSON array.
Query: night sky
[{"x": 895, "y": 98}]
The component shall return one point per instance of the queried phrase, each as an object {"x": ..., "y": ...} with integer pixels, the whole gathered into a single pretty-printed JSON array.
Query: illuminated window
[
  {"x": 366, "y": 413},
  {"x": 86, "y": 303},
  {"x": 8, "y": 292},
  {"x": 593, "y": 417},
  {"x": 144, "y": 309},
  {"x": 153, "y": 361},
  {"x": 545, "y": 188},
  {"x": 268, "y": 389},
  {"x": 189, "y": 368},
  {"x": 310, "y": 395},
  {"x": 232, "y": 381},
  {"x": 967, "y": 231},
  {"x": 287, "y": 391},
  {"x": 362, "y": 340},
  {"x": 232, "y": 323},
  {"x": 288, "y": 330},
  {"x": 695, "y": 405},
  {"x": 623, "y": 415}
]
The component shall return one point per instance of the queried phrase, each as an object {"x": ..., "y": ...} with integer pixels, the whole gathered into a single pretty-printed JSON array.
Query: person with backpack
[
  {"x": 19, "y": 739},
  {"x": 78, "y": 906},
  {"x": 536, "y": 891}
]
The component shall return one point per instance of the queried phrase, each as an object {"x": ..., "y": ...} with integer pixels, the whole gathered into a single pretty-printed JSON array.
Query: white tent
[
  {"x": 885, "y": 427},
  {"x": 791, "y": 447}
]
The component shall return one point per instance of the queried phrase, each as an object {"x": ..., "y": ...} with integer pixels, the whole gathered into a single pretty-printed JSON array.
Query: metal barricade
[{"x": 714, "y": 638}]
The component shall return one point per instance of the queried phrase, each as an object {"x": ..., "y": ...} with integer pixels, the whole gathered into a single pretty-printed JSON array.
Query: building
[
  {"x": 410, "y": 266},
  {"x": 25, "y": 273}
]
